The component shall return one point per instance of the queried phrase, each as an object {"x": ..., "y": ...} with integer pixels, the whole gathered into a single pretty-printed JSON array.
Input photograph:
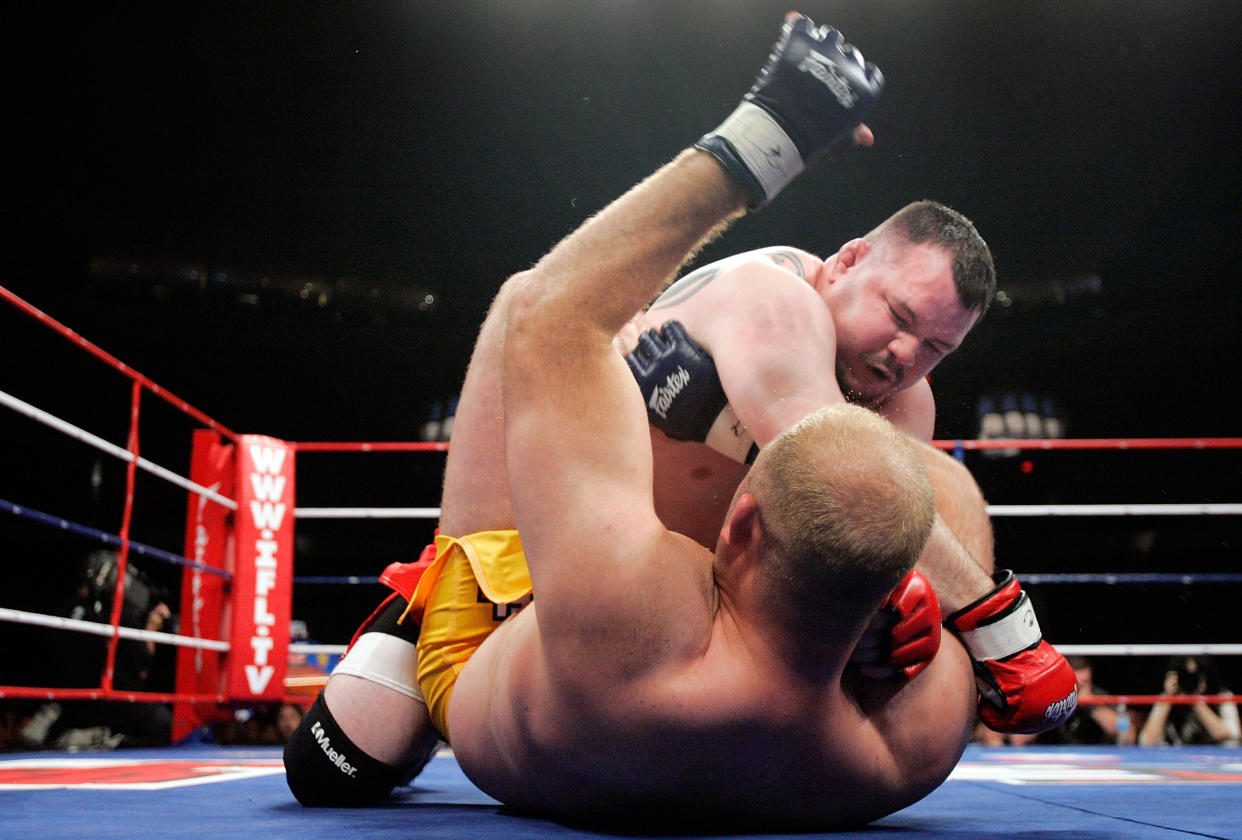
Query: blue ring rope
[
  {"x": 1184, "y": 578},
  {"x": 346, "y": 579},
  {"x": 102, "y": 536},
  {"x": 1181, "y": 579}
]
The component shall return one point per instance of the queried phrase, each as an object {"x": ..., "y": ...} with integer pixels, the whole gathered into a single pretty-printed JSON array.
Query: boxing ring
[{"x": 236, "y": 558}]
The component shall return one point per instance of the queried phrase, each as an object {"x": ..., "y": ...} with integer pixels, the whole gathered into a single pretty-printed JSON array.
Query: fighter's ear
[
  {"x": 846, "y": 258},
  {"x": 741, "y": 527},
  {"x": 852, "y": 252}
]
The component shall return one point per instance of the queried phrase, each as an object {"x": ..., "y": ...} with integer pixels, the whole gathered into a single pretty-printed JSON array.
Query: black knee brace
[{"x": 325, "y": 768}]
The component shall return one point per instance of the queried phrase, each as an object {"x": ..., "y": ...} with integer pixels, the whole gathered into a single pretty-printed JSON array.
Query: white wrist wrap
[
  {"x": 763, "y": 146},
  {"x": 728, "y": 436},
  {"x": 1012, "y": 634}
]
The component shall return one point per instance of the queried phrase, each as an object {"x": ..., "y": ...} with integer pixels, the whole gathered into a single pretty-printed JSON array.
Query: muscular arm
[
  {"x": 923, "y": 754},
  {"x": 579, "y": 457},
  {"x": 772, "y": 339},
  {"x": 768, "y": 331}
]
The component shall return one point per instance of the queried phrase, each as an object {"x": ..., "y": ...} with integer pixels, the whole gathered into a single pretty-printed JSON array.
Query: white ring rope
[
  {"x": 112, "y": 449},
  {"x": 1191, "y": 509},
  {"x": 1209, "y": 649},
  {"x": 313, "y": 648},
  {"x": 1116, "y": 510},
  {"x": 367, "y": 513},
  {"x": 94, "y": 627}
]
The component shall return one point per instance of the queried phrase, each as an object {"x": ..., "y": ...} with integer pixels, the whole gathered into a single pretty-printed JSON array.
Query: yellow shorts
[{"x": 474, "y": 584}]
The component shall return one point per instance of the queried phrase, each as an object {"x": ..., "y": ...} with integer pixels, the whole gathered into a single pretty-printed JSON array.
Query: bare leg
[
  {"x": 475, "y": 496},
  {"x": 363, "y": 736},
  {"x": 384, "y": 723}
]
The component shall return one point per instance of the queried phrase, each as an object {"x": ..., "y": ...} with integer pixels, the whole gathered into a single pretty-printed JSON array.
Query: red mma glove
[
  {"x": 1024, "y": 684},
  {"x": 904, "y": 635}
]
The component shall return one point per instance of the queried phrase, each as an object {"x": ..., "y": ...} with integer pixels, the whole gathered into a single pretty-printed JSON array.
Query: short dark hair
[{"x": 927, "y": 221}]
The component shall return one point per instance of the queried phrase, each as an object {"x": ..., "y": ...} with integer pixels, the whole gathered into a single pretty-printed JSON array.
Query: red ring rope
[
  {"x": 1095, "y": 443},
  {"x": 1152, "y": 699},
  {"x": 381, "y": 446},
  {"x": 1044, "y": 444}
]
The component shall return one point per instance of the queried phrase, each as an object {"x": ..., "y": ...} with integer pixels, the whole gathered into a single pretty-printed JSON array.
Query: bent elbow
[
  {"x": 538, "y": 326},
  {"x": 517, "y": 294},
  {"x": 526, "y": 317}
]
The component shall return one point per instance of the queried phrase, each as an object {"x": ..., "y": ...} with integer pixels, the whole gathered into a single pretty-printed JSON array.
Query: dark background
[{"x": 293, "y": 215}]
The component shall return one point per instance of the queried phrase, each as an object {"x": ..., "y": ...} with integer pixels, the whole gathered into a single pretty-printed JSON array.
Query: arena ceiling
[{"x": 281, "y": 205}]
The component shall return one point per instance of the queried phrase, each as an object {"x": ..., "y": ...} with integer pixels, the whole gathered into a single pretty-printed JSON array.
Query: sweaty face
[{"x": 897, "y": 314}]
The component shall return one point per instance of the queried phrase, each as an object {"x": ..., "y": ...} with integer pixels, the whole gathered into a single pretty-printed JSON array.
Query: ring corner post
[
  {"x": 207, "y": 543},
  {"x": 257, "y": 662}
]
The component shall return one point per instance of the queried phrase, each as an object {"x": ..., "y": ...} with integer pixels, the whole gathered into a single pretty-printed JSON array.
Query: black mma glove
[
  {"x": 813, "y": 92},
  {"x": 684, "y": 396},
  {"x": 679, "y": 382}
]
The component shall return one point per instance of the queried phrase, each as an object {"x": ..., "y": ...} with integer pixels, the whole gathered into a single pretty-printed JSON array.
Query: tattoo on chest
[
  {"x": 685, "y": 288},
  {"x": 694, "y": 282},
  {"x": 789, "y": 261}
]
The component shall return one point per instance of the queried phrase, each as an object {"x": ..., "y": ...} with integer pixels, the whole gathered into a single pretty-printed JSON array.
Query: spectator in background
[
  {"x": 268, "y": 725},
  {"x": 288, "y": 716},
  {"x": 1196, "y": 723},
  {"x": 105, "y": 724}
]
